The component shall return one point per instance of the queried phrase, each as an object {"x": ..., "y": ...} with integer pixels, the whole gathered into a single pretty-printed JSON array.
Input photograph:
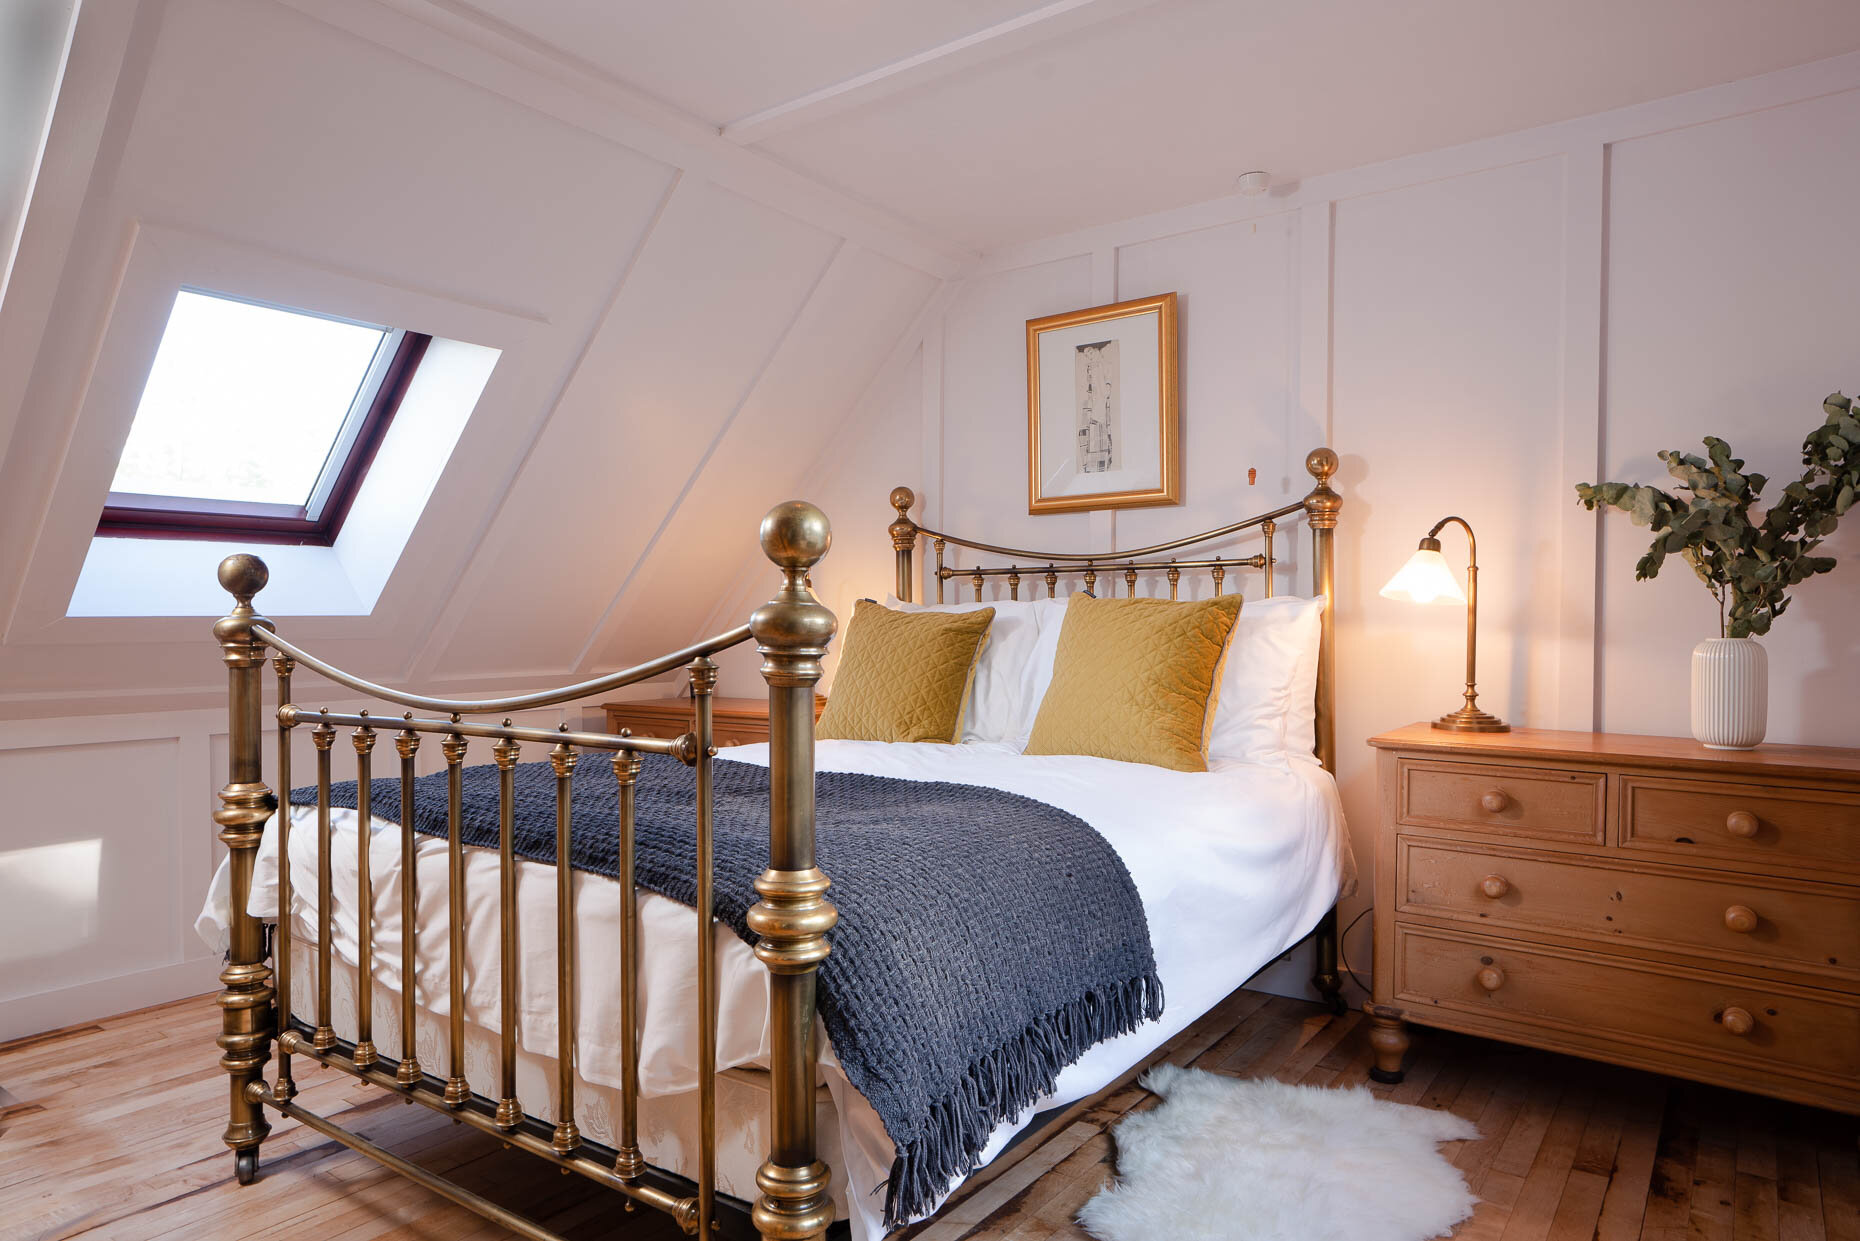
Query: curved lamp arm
[{"x": 1469, "y": 718}]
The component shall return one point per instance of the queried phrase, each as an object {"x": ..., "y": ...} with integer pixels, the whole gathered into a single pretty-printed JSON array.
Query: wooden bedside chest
[
  {"x": 736, "y": 721},
  {"x": 1642, "y": 900}
]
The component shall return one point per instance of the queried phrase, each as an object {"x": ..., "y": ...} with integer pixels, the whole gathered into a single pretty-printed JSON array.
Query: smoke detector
[{"x": 1253, "y": 184}]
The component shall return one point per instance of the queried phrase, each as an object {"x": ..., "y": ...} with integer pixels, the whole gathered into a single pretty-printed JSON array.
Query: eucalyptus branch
[{"x": 1751, "y": 566}]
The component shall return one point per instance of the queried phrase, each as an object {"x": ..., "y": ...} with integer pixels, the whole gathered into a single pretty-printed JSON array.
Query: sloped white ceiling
[
  {"x": 665, "y": 304},
  {"x": 1041, "y": 118}
]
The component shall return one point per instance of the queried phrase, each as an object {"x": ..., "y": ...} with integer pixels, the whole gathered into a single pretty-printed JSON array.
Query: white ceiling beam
[
  {"x": 499, "y": 59},
  {"x": 1040, "y": 25}
]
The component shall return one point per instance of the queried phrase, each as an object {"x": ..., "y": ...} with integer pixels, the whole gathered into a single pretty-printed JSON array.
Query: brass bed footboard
[{"x": 791, "y": 919}]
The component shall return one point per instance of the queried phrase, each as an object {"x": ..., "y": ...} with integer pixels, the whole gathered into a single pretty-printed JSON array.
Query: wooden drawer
[
  {"x": 1814, "y": 928},
  {"x": 1742, "y": 825},
  {"x": 1546, "y": 803},
  {"x": 1642, "y": 1006}
]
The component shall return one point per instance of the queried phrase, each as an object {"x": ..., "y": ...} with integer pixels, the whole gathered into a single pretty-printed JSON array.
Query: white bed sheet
[{"x": 1233, "y": 866}]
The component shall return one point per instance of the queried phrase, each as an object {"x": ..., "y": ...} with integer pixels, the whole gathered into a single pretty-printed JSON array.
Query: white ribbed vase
[{"x": 1730, "y": 693}]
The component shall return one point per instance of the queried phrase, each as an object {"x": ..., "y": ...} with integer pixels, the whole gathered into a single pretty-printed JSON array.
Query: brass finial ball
[
  {"x": 795, "y": 535},
  {"x": 243, "y": 575},
  {"x": 902, "y": 498},
  {"x": 1321, "y": 463}
]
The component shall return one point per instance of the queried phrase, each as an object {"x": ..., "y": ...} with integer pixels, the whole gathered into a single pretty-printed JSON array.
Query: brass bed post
[
  {"x": 793, "y": 917},
  {"x": 245, "y": 804},
  {"x": 1321, "y": 509},
  {"x": 509, "y": 1110},
  {"x": 628, "y": 1162},
  {"x": 904, "y": 539},
  {"x": 286, "y": 1087},
  {"x": 323, "y": 736},
  {"x": 566, "y": 1136},
  {"x": 703, "y": 686},
  {"x": 407, "y": 744},
  {"x": 364, "y": 1053},
  {"x": 458, "y": 1091}
]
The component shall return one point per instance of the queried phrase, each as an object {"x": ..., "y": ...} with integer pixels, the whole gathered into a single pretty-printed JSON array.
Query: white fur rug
[{"x": 1223, "y": 1159}]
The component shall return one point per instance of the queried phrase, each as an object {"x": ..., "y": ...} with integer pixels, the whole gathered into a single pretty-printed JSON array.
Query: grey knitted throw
[{"x": 986, "y": 940}]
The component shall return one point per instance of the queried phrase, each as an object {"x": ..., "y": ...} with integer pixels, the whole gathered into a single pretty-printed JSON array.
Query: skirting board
[{"x": 27, "y": 1015}]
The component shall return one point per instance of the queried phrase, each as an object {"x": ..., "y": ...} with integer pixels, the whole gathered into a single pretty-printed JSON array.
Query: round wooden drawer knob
[
  {"x": 1740, "y": 918},
  {"x": 1492, "y": 978},
  {"x": 1494, "y": 801},
  {"x": 1495, "y": 886},
  {"x": 1737, "y": 1021},
  {"x": 1741, "y": 823}
]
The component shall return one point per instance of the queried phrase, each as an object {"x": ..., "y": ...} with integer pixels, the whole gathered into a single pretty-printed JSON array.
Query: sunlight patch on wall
[{"x": 49, "y": 898}]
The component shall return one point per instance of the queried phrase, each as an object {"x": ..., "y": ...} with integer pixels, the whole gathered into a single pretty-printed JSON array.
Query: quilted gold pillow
[
  {"x": 1135, "y": 679},
  {"x": 904, "y": 676}
]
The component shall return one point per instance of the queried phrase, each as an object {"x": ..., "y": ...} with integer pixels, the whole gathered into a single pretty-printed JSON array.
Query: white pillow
[
  {"x": 1015, "y": 668},
  {"x": 1268, "y": 703}
]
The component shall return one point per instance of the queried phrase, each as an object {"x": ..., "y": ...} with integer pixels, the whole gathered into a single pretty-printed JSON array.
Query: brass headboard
[{"x": 1320, "y": 509}]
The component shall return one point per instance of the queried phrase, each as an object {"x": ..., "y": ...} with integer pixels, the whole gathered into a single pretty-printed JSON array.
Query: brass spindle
[
  {"x": 1220, "y": 578},
  {"x": 1266, "y": 528},
  {"x": 628, "y": 1164},
  {"x": 567, "y": 1137},
  {"x": 939, "y": 544},
  {"x": 364, "y": 1054},
  {"x": 1052, "y": 584},
  {"x": 1091, "y": 580},
  {"x": 977, "y": 579},
  {"x": 509, "y": 1110},
  {"x": 1175, "y": 580},
  {"x": 703, "y": 685},
  {"x": 1014, "y": 582},
  {"x": 1130, "y": 582},
  {"x": 324, "y": 736},
  {"x": 286, "y": 1087},
  {"x": 457, "y": 1089},
  {"x": 407, "y": 744}
]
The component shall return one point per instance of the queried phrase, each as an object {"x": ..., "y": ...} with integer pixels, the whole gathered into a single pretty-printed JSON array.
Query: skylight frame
[{"x": 319, "y": 520}]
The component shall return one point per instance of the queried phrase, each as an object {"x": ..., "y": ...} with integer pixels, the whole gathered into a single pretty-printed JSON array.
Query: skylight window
[{"x": 257, "y": 422}]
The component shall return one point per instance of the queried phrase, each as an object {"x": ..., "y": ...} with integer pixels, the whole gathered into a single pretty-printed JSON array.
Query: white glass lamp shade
[{"x": 1426, "y": 578}]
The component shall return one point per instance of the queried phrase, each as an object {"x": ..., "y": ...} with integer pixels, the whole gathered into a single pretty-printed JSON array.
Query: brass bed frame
[{"x": 791, "y": 920}]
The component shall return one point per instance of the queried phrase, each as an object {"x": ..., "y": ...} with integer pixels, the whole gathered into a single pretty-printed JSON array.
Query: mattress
[{"x": 1233, "y": 866}]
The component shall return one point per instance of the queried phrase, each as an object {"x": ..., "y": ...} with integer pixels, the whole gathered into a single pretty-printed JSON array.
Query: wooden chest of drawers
[
  {"x": 1641, "y": 900},
  {"x": 736, "y": 721}
]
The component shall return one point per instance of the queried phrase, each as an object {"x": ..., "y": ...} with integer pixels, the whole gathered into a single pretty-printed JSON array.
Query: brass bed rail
[{"x": 791, "y": 919}]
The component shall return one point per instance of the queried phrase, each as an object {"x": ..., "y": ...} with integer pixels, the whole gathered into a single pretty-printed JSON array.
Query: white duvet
[{"x": 1233, "y": 866}]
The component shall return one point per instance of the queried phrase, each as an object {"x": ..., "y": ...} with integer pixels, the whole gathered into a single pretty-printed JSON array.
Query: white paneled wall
[
  {"x": 1474, "y": 331},
  {"x": 109, "y": 847}
]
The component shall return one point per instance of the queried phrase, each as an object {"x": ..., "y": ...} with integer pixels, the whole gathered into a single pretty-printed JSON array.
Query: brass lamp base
[{"x": 1471, "y": 720}]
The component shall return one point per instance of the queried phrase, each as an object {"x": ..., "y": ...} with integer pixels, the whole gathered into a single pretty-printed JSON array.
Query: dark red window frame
[{"x": 164, "y": 517}]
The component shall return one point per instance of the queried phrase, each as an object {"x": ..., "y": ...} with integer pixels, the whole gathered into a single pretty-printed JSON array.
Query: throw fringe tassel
[{"x": 1004, "y": 1083}]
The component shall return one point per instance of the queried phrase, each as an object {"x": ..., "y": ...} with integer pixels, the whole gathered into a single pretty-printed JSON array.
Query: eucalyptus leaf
[{"x": 1749, "y": 566}]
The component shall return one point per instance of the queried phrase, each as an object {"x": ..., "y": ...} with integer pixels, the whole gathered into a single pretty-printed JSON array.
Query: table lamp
[{"x": 1427, "y": 579}]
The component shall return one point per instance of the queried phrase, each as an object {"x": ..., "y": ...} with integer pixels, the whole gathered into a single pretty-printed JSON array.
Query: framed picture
[{"x": 1102, "y": 428}]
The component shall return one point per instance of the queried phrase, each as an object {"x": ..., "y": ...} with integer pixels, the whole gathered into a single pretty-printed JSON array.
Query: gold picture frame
[{"x": 1095, "y": 367}]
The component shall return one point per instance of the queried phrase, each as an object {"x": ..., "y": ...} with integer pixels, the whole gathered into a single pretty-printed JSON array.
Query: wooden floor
[{"x": 112, "y": 1131}]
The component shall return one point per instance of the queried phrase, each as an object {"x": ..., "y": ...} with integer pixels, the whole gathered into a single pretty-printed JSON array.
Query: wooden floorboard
[{"x": 110, "y": 1132}]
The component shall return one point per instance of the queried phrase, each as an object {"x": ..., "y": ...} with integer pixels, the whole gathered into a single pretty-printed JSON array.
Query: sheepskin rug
[{"x": 1222, "y": 1159}]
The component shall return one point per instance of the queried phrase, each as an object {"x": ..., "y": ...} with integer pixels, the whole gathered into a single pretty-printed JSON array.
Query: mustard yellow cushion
[
  {"x": 1135, "y": 679},
  {"x": 904, "y": 676}
]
